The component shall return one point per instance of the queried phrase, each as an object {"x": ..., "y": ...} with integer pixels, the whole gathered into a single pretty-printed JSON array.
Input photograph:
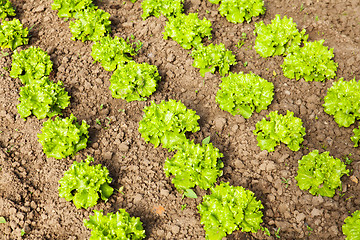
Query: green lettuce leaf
[
  {"x": 351, "y": 228},
  {"x": 320, "y": 173},
  {"x": 278, "y": 38},
  {"x": 238, "y": 11},
  {"x": 313, "y": 62},
  {"x": 194, "y": 164},
  {"x": 356, "y": 137},
  {"x": 157, "y": 7},
  {"x": 12, "y": 34},
  {"x": 188, "y": 30},
  {"x": 134, "y": 81},
  {"x": 343, "y": 102},
  {"x": 244, "y": 93},
  {"x": 211, "y": 57},
  {"x": 83, "y": 183},
  {"x": 114, "y": 226},
  {"x": 6, "y": 9},
  {"x": 167, "y": 122},
  {"x": 45, "y": 99},
  {"x": 90, "y": 24},
  {"x": 63, "y": 137},
  {"x": 31, "y": 65},
  {"x": 69, "y": 8},
  {"x": 286, "y": 129},
  {"x": 111, "y": 52},
  {"x": 229, "y": 208}
]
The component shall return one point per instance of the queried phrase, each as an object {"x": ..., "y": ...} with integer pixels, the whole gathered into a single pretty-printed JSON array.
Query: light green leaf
[
  {"x": 190, "y": 193},
  {"x": 2, "y": 220},
  {"x": 206, "y": 140}
]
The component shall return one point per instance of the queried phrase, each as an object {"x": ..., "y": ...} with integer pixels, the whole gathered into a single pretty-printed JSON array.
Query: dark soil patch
[{"x": 28, "y": 180}]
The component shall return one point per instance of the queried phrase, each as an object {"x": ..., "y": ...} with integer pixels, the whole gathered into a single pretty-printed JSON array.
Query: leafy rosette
[
  {"x": 343, "y": 102},
  {"x": 278, "y": 38},
  {"x": 167, "y": 122},
  {"x": 6, "y": 9},
  {"x": 111, "y": 52},
  {"x": 243, "y": 94},
  {"x": 238, "y": 11},
  {"x": 356, "y": 137},
  {"x": 211, "y": 57},
  {"x": 12, "y": 34},
  {"x": 187, "y": 30},
  {"x": 194, "y": 164},
  {"x": 320, "y": 173},
  {"x": 31, "y": 65},
  {"x": 63, "y": 137},
  {"x": 228, "y": 209},
  {"x": 286, "y": 129},
  {"x": 69, "y": 8},
  {"x": 157, "y": 7},
  {"x": 83, "y": 183},
  {"x": 91, "y": 24},
  {"x": 134, "y": 81},
  {"x": 351, "y": 228},
  {"x": 45, "y": 99},
  {"x": 313, "y": 62},
  {"x": 115, "y": 226}
]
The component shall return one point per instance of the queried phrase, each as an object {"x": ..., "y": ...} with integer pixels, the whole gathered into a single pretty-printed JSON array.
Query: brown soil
[{"x": 28, "y": 180}]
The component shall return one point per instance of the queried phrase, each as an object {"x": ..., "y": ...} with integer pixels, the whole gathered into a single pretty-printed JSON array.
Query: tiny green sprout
[
  {"x": 316, "y": 118},
  {"x": 309, "y": 229},
  {"x": 183, "y": 207},
  {"x": 8, "y": 150},
  {"x": 2, "y": 220},
  {"x": 121, "y": 110},
  {"x": 285, "y": 181},
  {"x": 277, "y": 235},
  {"x": 6, "y": 68},
  {"x": 98, "y": 121},
  {"x": 23, "y": 232},
  {"x": 316, "y": 18},
  {"x": 241, "y": 42},
  {"x": 120, "y": 190},
  {"x": 349, "y": 198},
  {"x": 101, "y": 106},
  {"x": 341, "y": 195},
  {"x": 132, "y": 36},
  {"x": 196, "y": 91},
  {"x": 206, "y": 140},
  {"x": 207, "y": 11},
  {"x": 245, "y": 64},
  {"x": 79, "y": 56},
  {"x": 347, "y": 159},
  {"x": 302, "y": 7},
  {"x": 124, "y": 2},
  {"x": 266, "y": 231},
  {"x": 323, "y": 147},
  {"x": 109, "y": 121},
  {"x": 16, "y": 129},
  {"x": 4, "y": 54}
]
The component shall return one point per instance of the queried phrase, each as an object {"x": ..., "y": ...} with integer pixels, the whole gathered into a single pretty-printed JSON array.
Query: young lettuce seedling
[
  {"x": 12, "y": 34},
  {"x": 6, "y": 9}
]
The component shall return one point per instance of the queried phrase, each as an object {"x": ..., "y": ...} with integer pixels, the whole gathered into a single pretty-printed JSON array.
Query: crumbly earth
[{"x": 29, "y": 198}]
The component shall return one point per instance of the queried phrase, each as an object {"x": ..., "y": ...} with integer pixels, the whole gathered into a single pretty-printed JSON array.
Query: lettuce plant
[
  {"x": 63, "y": 137},
  {"x": 343, "y": 102},
  {"x": 211, "y": 57},
  {"x": 313, "y": 62},
  {"x": 194, "y": 164},
  {"x": 238, "y": 11},
  {"x": 91, "y": 24},
  {"x": 12, "y": 34},
  {"x": 166, "y": 123},
  {"x": 115, "y": 226},
  {"x": 82, "y": 184},
  {"x": 286, "y": 129},
  {"x": 243, "y": 94},
  {"x": 111, "y": 52},
  {"x": 45, "y": 99},
  {"x": 228, "y": 209},
  {"x": 157, "y": 7},
  {"x": 134, "y": 81},
  {"x": 6, "y": 9},
  {"x": 69, "y": 8},
  {"x": 278, "y": 38},
  {"x": 320, "y": 173},
  {"x": 31, "y": 65},
  {"x": 188, "y": 30},
  {"x": 351, "y": 228},
  {"x": 356, "y": 137}
]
